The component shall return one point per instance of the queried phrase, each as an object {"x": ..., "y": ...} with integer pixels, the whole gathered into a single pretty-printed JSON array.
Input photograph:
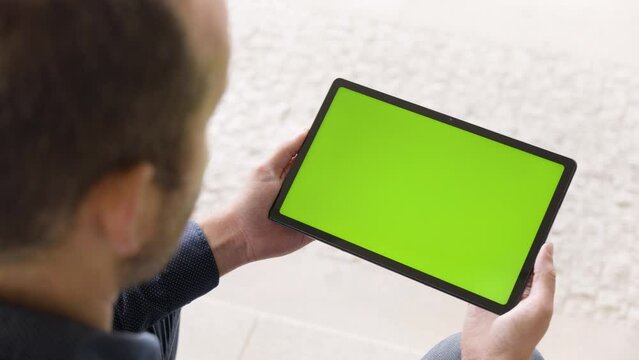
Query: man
[{"x": 103, "y": 109}]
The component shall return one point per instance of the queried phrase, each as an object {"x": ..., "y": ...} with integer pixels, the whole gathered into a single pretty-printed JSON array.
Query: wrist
[{"x": 227, "y": 242}]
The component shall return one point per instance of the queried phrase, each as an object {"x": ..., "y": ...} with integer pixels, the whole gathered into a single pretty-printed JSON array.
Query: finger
[
  {"x": 542, "y": 292},
  {"x": 283, "y": 155},
  {"x": 527, "y": 288},
  {"x": 478, "y": 314},
  {"x": 477, "y": 320},
  {"x": 284, "y": 171}
]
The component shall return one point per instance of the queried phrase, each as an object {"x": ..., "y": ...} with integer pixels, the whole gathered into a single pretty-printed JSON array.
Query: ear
[{"x": 122, "y": 203}]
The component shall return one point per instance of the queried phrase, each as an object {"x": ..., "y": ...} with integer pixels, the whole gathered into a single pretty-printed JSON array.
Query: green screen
[{"x": 442, "y": 200}]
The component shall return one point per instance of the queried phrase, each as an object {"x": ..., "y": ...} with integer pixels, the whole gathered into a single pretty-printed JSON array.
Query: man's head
[{"x": 103, "y": 107}]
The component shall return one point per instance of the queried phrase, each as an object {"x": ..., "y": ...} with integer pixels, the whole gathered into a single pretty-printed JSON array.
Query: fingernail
[{"x": 551, "y": 248}]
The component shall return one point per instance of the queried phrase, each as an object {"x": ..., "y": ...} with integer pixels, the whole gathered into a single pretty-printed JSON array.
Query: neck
[{"x": 57, "y": 284}]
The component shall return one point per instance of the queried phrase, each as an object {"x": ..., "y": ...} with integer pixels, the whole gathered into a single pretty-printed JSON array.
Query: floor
[{"x": 561, "y": 74}]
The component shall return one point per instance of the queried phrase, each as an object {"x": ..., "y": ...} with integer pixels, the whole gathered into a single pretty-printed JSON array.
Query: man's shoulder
[{"x": 29, "y": 334}]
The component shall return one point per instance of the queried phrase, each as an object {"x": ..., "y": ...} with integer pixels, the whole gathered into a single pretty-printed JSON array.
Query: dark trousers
[
  {"x": 167, "y": 330},
  {"x": 449, "y": 349}
]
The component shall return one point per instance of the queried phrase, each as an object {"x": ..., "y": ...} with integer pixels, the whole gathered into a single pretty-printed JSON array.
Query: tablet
[{"x": 447, "y": 203}]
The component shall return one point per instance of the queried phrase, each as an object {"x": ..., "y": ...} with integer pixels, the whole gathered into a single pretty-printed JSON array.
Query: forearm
[{"x": 227, "y": 242}]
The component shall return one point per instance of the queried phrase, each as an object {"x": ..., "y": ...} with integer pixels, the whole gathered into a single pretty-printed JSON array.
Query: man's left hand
[{"x": 244, "y": 233}]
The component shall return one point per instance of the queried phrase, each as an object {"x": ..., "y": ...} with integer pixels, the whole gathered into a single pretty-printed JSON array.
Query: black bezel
[{"x": 569, "y": 170}]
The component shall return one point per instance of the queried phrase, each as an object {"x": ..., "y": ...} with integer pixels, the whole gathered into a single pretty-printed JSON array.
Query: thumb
[
  {"x": 542, "y": 292},
  {"x": 282, "y": 157}
]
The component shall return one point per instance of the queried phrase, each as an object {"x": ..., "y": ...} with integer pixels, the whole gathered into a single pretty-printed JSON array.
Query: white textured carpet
[{"x": 284, "y": 59}]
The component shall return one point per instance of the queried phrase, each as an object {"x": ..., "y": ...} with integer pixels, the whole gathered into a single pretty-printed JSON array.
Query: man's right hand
[{"x": 513, "y": 335}]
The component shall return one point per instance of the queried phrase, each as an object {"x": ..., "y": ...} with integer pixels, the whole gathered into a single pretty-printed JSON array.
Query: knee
[
  {"x": 450, "y": 349},
  {"x": 537, "y": 355},
  {"x": 447, "y": 349}
]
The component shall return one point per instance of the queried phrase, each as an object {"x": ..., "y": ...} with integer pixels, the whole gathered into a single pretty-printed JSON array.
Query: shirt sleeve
[{"x": 191, "y": 273}]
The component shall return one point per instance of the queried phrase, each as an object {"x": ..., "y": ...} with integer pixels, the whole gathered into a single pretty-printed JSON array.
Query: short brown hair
[{"x": 87, "y": 87}]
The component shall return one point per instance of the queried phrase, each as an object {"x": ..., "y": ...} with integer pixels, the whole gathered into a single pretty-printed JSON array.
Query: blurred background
[{"x": 561, "y": 74}]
